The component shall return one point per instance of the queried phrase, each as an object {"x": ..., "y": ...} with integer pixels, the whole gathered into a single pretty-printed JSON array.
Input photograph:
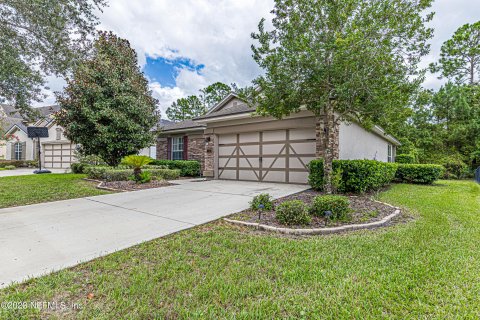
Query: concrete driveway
[{"x": 38, "y": 239}]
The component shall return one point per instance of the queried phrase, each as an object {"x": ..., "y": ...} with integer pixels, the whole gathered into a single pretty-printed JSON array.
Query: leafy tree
[
  {"x": 186, "y": 108},
  {"x": 356, "y": 59},
  {"x": 214, "y": 93},
  {"x": 193, "y": 106},
  {"x": 107, "y": 107},
  {"x": 39, "y": 38},
  {"x": 460, "y": 55}
]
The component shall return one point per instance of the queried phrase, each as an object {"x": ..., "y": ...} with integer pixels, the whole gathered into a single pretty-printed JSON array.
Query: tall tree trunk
[{"x": 329, "y": 132}]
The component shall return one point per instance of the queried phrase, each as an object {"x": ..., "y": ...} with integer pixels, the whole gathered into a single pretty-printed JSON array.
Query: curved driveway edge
[{"x": 41, "y": 238}]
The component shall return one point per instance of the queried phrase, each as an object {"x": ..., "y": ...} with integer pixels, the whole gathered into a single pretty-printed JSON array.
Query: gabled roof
[
  {"x": 220, "y": 109},
  {"x": 19, "y": 126}
]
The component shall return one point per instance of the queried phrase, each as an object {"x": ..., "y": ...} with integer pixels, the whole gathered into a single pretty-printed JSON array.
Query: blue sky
[{"x": 165, "y": 71}]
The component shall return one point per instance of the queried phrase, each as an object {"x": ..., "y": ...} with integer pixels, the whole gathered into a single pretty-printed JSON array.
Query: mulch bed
[
  {"x": 132, "y": 185},
  {"x": 364, "y": 210}
]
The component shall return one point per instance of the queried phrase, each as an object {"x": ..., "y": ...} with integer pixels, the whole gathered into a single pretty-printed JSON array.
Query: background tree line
[{"x": 444, "y": 125}]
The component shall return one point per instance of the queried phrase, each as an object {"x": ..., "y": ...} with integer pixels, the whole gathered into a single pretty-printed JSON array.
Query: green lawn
[
  {"x": 23, "y": 190},
  {"x": 426, "y": 268}
]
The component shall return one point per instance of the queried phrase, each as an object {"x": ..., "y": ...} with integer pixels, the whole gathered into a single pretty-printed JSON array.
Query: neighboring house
[
  {"x": 56, "y": 151},
  {"x": 8, "y": 117},
  {"x": 232, "y": 143}
]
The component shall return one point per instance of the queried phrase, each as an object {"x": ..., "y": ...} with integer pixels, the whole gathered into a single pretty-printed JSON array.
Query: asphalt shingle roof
[{"x": 186, "y": 124}]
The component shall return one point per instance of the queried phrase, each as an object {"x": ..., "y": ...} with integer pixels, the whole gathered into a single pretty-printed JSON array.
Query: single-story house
[
  {"x": 233, "y": 143},
  {"x": 56, "y": 151}
]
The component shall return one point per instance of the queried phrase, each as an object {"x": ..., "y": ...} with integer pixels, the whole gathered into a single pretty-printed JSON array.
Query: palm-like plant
[{"x": 136, "y": 162}]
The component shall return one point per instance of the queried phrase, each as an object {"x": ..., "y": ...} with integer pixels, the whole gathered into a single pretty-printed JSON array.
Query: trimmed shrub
[
  {"x": 19, "y": 163},
  {"x": 78, "y": 167},
  {"x": 338, "y": 205},
  {"x": 109, "y": 174},
  {"x": 293, "y": 212},
  {"x": 188, "y": 168},
  {"x": 405, "y": 158},
  {"x": 165, "y": 174},
  {"x": 356, "y": 176},
  {"x": 148, "y": 166},
  {"x": 10, "y": 167},
  {"x": 262, "y": 199},
  {"x": 96, "y": 172},
  {"x": 117, "y": 175},
  {"x": 419, "y": 173}
]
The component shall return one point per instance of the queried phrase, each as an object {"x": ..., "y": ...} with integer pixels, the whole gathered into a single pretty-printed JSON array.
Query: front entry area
[{"x": 267, "y": 156}]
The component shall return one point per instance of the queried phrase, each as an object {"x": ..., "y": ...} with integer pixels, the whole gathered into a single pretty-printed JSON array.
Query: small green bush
[
  {"x": 188, "y": 168},
  {"x": 292, "y": 212},
  {"x": 405, "y": 158},
  {"x": 419, "y": 173},
  {"x": 78, "y": 167},
  {"x": 145, "y": 177},
  {"x": 10, "y": 167},
  {"x": 260, "y": 199},
  {"x": 454, "y": 168},
  {"x": 356, "y": 175},
  {"x": 338, "y": 205}
]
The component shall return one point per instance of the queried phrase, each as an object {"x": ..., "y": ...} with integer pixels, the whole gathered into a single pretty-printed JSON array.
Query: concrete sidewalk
[
  {"x": 38, "y": 239},
  {"x": 26, "y": 172}
]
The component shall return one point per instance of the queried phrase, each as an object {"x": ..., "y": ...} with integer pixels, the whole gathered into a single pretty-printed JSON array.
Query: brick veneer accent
[
  {"x": 196, "y": 148},
  {"x": 162, "y": 148},
  {"x": 209, "y": 160},
  {"x": 321, "y": 137}
]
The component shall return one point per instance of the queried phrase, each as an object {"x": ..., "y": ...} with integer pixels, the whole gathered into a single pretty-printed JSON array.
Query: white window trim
[
  {"x": 177, "y": 147},
  {"x": 391, "y": 153},
  {"x": 18, "y": 151}
]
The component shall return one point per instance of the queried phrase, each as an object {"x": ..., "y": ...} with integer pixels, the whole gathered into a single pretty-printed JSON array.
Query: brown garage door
[
  {"x": 58, "y": 155},
  {"x": 270, "y": 156}
]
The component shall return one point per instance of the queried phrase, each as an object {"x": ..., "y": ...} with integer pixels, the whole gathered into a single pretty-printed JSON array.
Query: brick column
[{"x": 209, "y": 157}]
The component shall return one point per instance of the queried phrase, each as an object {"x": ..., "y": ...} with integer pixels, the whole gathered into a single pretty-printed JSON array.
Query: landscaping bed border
[{"x": 320, "y": 231}]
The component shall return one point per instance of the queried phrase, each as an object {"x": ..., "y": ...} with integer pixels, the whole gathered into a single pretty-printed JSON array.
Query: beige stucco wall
[
  {"x": 3, "y": 149},
  {"x": 22, "y": 136},
  {"x": 358, "y": 143}
]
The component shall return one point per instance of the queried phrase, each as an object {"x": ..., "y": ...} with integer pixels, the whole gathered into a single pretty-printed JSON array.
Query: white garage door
[
  {"x": 269, "y": 156},
  {"x": 58, "y": 155}
]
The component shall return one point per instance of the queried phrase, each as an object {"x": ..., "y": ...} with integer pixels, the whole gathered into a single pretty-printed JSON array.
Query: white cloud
[{"x": 216, "y": 33}]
